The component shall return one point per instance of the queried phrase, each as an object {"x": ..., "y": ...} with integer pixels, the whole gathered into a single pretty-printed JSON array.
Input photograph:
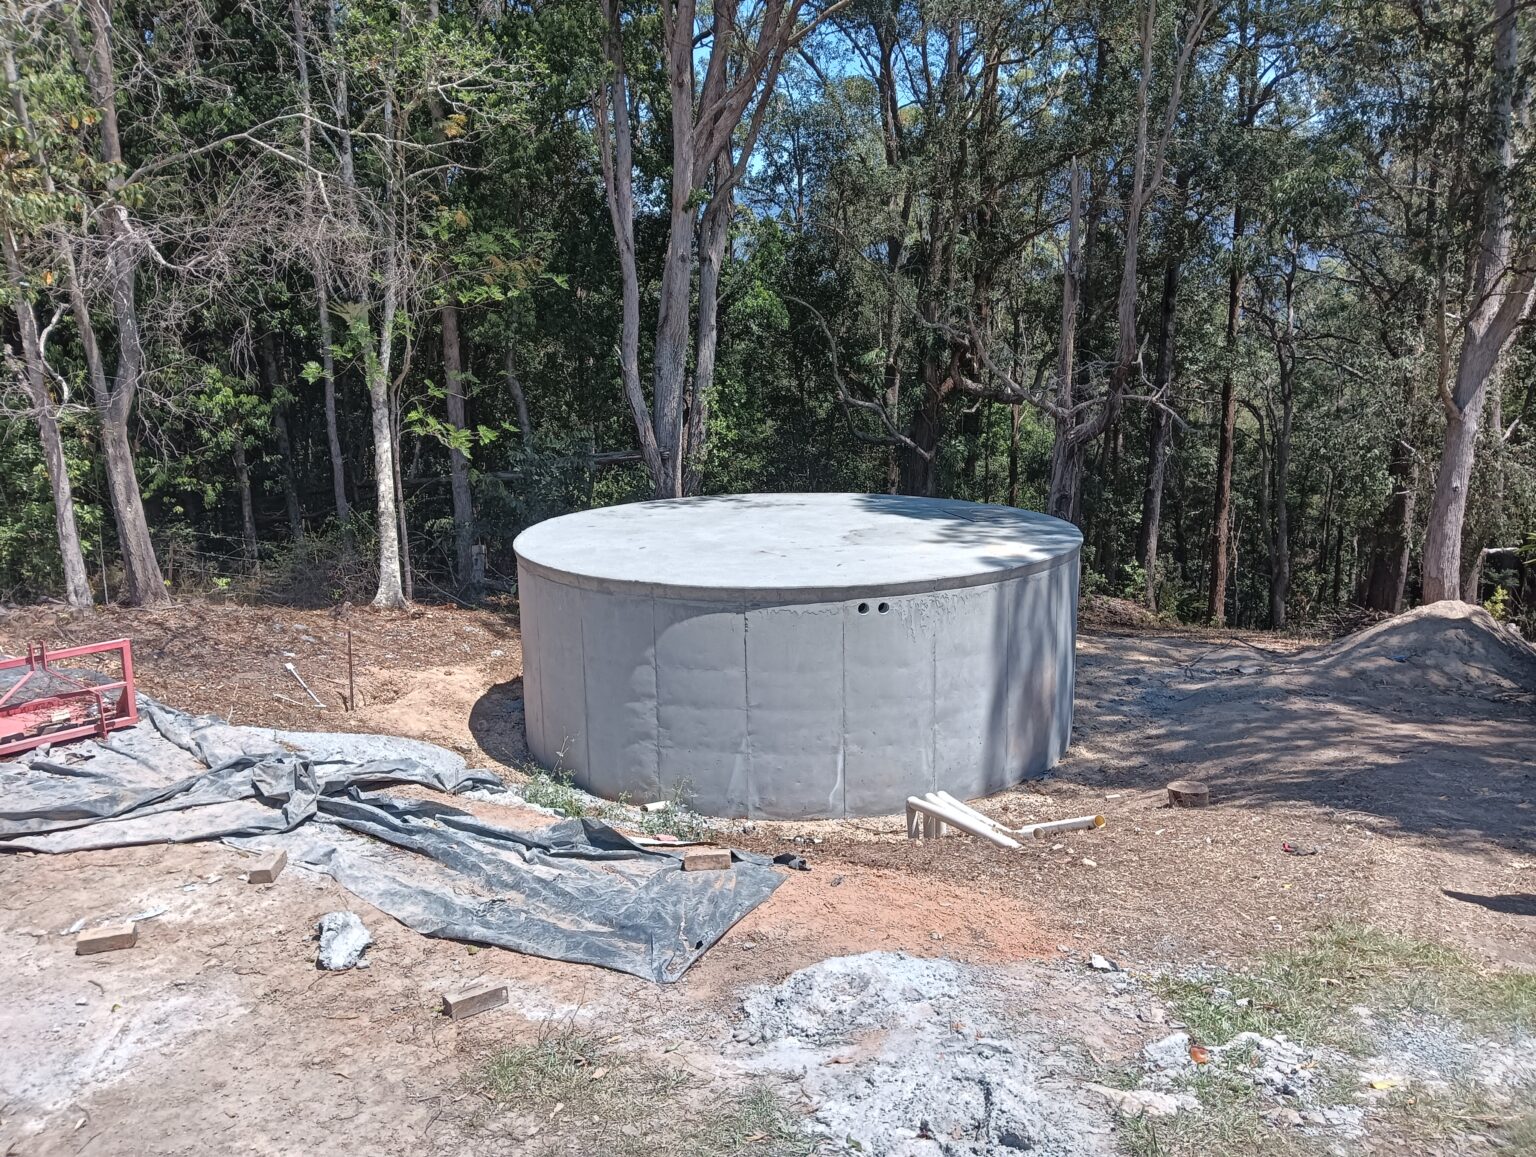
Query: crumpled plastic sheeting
[{"x": 577, "y": 890}]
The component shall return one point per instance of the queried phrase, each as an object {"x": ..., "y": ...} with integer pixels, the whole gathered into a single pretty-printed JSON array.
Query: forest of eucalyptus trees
[{"x": 325, "y": 299}]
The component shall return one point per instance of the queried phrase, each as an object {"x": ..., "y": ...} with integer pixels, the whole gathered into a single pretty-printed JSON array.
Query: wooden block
[
  {"x": 708, "y": 860},
  {"x": 1188, "y": 793},
  {"x": 107, "y": 938},
  {"x": 268, "y": 868},
  {"x": 472, "y": 1001}
]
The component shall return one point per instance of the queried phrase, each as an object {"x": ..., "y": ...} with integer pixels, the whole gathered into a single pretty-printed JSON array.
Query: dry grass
[
  {"x": 570, "y": 1094},
  {"x": 1301, "y": 992},
  {"x": 1308, "y": 994},
  {"x": 1230, "y": 1121}
]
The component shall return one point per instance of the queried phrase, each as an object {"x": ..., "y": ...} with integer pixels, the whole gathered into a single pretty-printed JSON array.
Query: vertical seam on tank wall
[
  {"x": 1074, "y": 581},
  {"x": 1010, "y": 640},
  {"x": 746, "y": 706},
  {"x": 543, "y": 714},
  {"x": 586, "y": 718},
  {"x": 932, "y": 779},
  {"x": 656, "y": 698},
  {"x": 842, "y": 689}
]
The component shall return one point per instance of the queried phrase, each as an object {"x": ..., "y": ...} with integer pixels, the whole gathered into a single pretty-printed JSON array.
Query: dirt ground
[{"x": 1401, "y": 759}]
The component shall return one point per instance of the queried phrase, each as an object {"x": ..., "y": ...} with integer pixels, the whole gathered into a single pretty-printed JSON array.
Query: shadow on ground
[
  {"x": 496, "y": 722},
  {"x": 1511, "y": 905},
  {"x": 1425, "y": 722}
]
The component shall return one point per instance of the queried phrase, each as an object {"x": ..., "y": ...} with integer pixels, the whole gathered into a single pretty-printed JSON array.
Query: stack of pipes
[{"x": 930, "y": 815}]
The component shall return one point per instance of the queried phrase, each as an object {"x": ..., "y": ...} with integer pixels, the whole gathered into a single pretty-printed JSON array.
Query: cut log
[{"x": 1188, "y": 793}]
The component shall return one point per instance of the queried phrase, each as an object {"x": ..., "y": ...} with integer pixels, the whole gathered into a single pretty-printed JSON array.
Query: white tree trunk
[
  {"x": 77, "y": 588},
  {"x": 391, "y": 592},
  {"x": 1502, "y": 284}
]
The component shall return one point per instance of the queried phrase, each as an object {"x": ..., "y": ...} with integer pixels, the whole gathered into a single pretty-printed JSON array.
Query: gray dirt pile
[
  {"x": 900, "y": 1058},
  {"x": 1448, "y": 647}
]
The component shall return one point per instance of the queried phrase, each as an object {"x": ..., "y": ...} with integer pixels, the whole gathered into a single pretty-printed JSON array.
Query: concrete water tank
[{"x": 793, "y": 656}]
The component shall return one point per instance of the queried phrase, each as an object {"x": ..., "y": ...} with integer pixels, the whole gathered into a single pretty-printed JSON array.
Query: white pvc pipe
[
  {"x": 955, "y": 819},
  {"x": 950, "y": 801},
  {"x": 1042, "y": 831}
]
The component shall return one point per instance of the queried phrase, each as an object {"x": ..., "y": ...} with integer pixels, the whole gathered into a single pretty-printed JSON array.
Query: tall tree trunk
[
  {"x": 519, "y": 399},
  {"x": 1502, "y": 283},
  {"x": 1066, "y": 454},
  {"x": 1149, "y": 159},
  {"x": 1280, "y": 538},
  {"x": 391, "y": 592},
  {"x": 318, "y": 270},
  {"x": 142, "y": 580},
  {"x": 328, "y": 384},
  {"x": 1221, "y": 521},
  {"x": 669, "y": 362},
  {"x": 1387, "y": 577},
  {"x": 899, "y": 204},
  {"x": 1247, "y": 108},
  {"x": 402, "y": 515},
  {"x": 920, "y": 471},
  {"x": 714, "y": 231},
  {"x": 290, "y": 487},
  {"x": 1280, "y": 550},
  {"x": 617, "y": 155},
  {"x": 1015, "y": 413},
  {"x": 247, "y": 507},
  {"x": 1324, "y": 538},
  {"x": 1159, "y": 427},
  {"x": 722, "y": 113},
  {"x": 458, "y": 464},
  {"x": 267, "y": 353},
  {"x": 77, "y": 588}
]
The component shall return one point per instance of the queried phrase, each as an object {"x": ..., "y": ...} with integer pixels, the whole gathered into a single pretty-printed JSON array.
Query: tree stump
[{"x": 1188, "y": 793}]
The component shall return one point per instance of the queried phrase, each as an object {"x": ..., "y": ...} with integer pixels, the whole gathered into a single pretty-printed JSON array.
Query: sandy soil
[
  {"x": 447, "y": 675},
  {"x": 1404, "y": 757}
]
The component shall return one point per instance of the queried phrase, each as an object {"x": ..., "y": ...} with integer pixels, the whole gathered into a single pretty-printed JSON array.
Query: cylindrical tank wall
[{"x": 790, "y": 711}]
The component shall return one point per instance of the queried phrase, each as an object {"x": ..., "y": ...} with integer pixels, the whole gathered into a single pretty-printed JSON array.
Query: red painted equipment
[{"x": 42, "y": 704}]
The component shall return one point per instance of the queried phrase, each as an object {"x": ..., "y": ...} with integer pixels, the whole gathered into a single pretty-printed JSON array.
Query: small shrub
[
  {"x": 1500, "y": 605},
  {"x": 339, "y": 562}
]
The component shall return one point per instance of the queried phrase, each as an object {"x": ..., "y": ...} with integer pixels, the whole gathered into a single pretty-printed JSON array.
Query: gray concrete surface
[{"x": 797, "y": 656}]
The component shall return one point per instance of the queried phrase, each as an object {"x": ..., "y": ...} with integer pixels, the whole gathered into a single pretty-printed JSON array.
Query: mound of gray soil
[
  {"x": 1448, "y": 647},
  {"x": 903, "y": 1057}
]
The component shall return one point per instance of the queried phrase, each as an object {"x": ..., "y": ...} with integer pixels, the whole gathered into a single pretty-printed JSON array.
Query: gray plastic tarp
[{"x": 576, "y": 890}]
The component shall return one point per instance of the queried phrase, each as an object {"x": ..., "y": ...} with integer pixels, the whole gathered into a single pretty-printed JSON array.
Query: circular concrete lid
[{"x": 794, "y": 546}]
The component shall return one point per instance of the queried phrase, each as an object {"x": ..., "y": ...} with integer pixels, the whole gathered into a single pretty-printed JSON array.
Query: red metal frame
[{"x": 80, "y": 709}]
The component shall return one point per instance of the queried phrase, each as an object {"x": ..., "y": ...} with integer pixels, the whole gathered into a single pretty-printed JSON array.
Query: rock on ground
[{"x": 342, "y": 940}]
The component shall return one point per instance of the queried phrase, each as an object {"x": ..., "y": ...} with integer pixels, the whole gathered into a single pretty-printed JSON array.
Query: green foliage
[
  {"x": 29, "y": 550},
  {"x": 558, "y": 792},
  {"x": 907, "y": 225},
  {"x": 1499, "y": 605}
]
